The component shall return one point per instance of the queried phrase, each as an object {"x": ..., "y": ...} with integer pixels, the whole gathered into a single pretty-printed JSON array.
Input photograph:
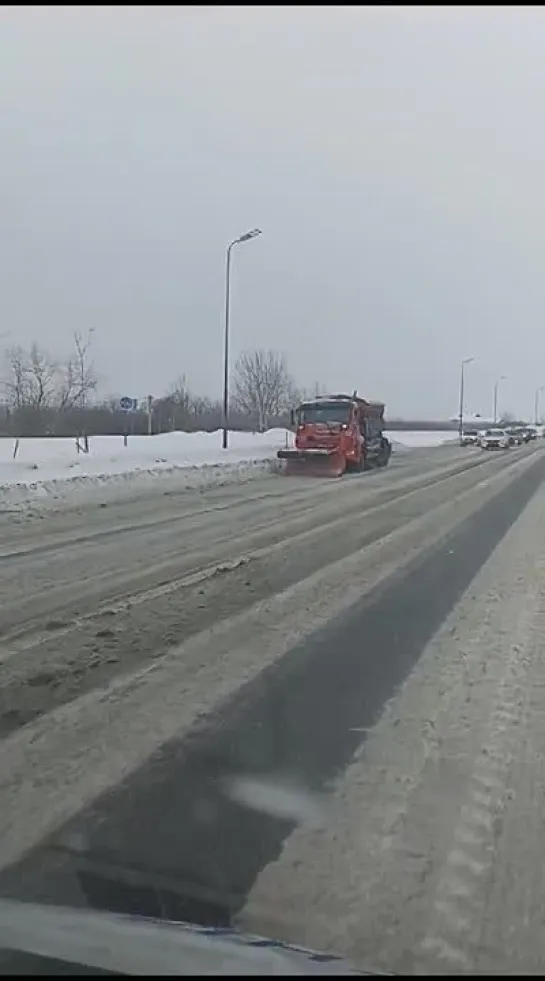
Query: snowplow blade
[{"x": 312, "y": 463}]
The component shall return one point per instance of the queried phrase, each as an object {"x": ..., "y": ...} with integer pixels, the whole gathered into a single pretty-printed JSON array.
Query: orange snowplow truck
[{"x": 336, "y": 433}]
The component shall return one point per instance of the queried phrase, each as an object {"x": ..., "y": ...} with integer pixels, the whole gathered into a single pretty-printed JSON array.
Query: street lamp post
[
  {"x": 496, "y": 386},
  {"x": 536, "y": 403},
  {"x": 243, "y": 238},
  {"x": 461, "y": 414}
]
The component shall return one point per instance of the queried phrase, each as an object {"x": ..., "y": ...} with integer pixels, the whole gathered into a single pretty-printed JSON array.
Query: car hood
[{"x": 137, "y": 945}]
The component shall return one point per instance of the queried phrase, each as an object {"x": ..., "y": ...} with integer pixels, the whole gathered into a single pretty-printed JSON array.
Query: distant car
[
  {"x": 470, "y": 437},
  {"x": 494, "y": 439},
  {"x": 516, "y": 436},
  {"x": 527, "y": 433}
]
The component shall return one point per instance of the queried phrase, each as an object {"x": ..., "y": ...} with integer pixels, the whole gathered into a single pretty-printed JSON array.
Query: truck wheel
[{"x": 383, "y": 458}]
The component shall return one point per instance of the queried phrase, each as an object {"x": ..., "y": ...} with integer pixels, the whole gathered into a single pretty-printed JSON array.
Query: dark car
[{"x": 516, "y": 436}]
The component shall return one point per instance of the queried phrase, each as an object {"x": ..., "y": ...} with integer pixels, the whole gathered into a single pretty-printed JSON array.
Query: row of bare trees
[
  {"x": 43, "y": 395},
  {"x": 34, "y": 379}
]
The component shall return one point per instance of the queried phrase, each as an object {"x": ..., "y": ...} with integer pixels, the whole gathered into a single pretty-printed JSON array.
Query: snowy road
[
  {"x": 370, "y": 645},
  {"x": 89, "y": 593}
]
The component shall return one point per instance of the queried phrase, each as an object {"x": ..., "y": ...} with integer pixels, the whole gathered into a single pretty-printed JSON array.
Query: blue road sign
[{"x": 127, "y": 403}]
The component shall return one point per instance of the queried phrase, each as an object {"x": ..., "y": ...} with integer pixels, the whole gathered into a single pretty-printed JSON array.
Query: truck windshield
[{"x": 327, "y": 412}]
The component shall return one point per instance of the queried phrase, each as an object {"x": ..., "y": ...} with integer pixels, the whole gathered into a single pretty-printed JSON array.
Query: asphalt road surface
[{"x": 313, "y": 709}]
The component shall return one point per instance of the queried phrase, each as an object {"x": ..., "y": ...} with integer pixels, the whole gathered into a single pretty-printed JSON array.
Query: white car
[
  {"x": 494, "y": 439},
  {"x": 469, "y": 437}
]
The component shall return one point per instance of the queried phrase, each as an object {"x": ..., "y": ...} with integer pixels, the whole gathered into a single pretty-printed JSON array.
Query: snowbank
[
  {"x": 420, "y": 439},
  {"x": 53, "y": 468}
]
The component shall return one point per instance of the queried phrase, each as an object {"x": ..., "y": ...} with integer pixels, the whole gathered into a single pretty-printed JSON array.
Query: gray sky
[{"x": 394, "y": 158}]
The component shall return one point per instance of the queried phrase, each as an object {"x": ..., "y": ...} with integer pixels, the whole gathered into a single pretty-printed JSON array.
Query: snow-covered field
[{"x": 53, "y": 467}]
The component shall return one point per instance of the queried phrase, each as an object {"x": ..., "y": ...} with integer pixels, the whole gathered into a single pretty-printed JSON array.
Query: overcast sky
[{"x": 394, "y": 159}]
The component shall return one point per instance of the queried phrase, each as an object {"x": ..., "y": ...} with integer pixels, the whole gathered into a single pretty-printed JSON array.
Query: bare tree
[
  {"x": 42, "y": 376},
  {"x": 179, "y": 393},
  {"x": 294, "y": 394},
  {"x": 173, "y": 409},
  {"x": 318, "y": 388},
  {"x": 30, "y": 379},
  {"x": 262, "y": 385},
  {"x": 200, "y": 405},
  {"x": 507, "y": 417},
  {"x": 307, "y": 394},
  {"x": 15, "y": 383},
  {"x": 78, "y": 377}
]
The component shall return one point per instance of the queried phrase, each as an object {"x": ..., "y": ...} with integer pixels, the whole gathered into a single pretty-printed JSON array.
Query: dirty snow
[{"x": 53, "y": 467}]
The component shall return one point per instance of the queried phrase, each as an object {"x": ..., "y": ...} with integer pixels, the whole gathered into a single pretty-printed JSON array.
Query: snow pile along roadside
[
  {"x": 404, "y": 441},
  {"x": 53, "y": 468}
]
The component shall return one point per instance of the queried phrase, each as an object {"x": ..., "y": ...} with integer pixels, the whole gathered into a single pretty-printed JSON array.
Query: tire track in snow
[{"x": 402, "y": 874}]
